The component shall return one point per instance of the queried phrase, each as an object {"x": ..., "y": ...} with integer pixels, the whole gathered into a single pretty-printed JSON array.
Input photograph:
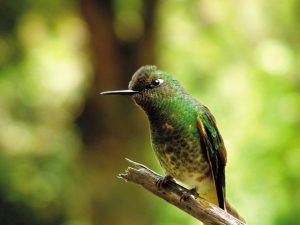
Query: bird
[{"x": 184, "y": 134}]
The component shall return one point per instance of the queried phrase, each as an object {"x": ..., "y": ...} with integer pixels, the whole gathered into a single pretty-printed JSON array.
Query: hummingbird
[{"x": 184, "y": 134}]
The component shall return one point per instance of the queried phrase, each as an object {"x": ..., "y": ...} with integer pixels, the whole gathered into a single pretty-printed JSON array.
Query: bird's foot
[
  {"x": 189, "y": 193},
  {"x": 163, "y": 181}
]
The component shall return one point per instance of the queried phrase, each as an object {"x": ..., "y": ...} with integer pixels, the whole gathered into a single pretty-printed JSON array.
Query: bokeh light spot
[{"x": 274, "y": 57}]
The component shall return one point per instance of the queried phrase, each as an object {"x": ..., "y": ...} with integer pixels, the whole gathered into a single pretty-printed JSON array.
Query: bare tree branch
[{"x": 199, "y": 208}]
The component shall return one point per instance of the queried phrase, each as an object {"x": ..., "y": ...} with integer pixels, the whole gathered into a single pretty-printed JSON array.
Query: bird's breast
[{"x": 179, "y": 152}]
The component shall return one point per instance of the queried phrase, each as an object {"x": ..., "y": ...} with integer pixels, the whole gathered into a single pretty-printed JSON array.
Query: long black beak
[{"x": 119, "y": 92}]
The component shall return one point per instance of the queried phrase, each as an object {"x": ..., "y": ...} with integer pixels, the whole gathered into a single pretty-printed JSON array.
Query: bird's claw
[
  {"x": 163, "y": 181},
  {"x": 189, "y": 193}
]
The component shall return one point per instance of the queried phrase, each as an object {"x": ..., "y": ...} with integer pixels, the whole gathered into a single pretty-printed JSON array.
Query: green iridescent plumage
[
  {"x": 184, "y": 134},
  {"x": 175, "y": 133}
]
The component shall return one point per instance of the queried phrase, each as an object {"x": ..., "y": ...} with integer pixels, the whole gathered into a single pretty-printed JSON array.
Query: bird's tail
[{"x": 232, "y": 211}]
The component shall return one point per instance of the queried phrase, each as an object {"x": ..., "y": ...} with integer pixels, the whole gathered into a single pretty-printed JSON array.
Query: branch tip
[
  {"x": 122, "y": 176},
  {"x": 136, "y": 164},
  {"x": 201, "y": 209}
]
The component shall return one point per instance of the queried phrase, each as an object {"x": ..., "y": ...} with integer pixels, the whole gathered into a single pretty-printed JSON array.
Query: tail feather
[{"x": 232, "y": 211}]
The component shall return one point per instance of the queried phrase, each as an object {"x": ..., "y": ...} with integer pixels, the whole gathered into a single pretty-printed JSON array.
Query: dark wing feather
[{"x": 213, "y": 147}]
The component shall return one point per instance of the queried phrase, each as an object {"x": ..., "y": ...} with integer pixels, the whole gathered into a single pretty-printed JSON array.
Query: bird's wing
[{"x": 214, "y": 150}]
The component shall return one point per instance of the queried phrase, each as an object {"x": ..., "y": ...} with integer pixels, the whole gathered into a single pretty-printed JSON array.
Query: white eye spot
[{"x": 157, "y": 82}]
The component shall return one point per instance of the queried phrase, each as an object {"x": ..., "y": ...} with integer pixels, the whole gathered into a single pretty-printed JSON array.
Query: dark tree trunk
[
  {"x": 110, "y": 124},
  {"x": 114, "y": 62}
]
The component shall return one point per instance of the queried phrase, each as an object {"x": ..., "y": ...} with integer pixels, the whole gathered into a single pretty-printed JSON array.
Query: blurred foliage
[
  {"x": 43, "y": 78},
  {"x": 240, "y": 58},
  {"x": 247, "y": 55}
]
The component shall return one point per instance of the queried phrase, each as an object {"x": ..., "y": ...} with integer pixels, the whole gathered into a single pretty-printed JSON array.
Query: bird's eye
[{"x": 157, "y": 82}]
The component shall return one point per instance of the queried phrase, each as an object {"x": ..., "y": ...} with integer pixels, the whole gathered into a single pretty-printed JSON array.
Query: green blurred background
[{"x": 62, "y": 144}]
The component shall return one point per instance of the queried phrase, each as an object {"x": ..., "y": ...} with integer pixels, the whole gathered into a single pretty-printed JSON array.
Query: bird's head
[{"x": 151, "y": 88}]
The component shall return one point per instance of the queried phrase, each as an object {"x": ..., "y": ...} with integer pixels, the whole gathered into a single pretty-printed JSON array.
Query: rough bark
[{"x": 199, "y": 208}]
